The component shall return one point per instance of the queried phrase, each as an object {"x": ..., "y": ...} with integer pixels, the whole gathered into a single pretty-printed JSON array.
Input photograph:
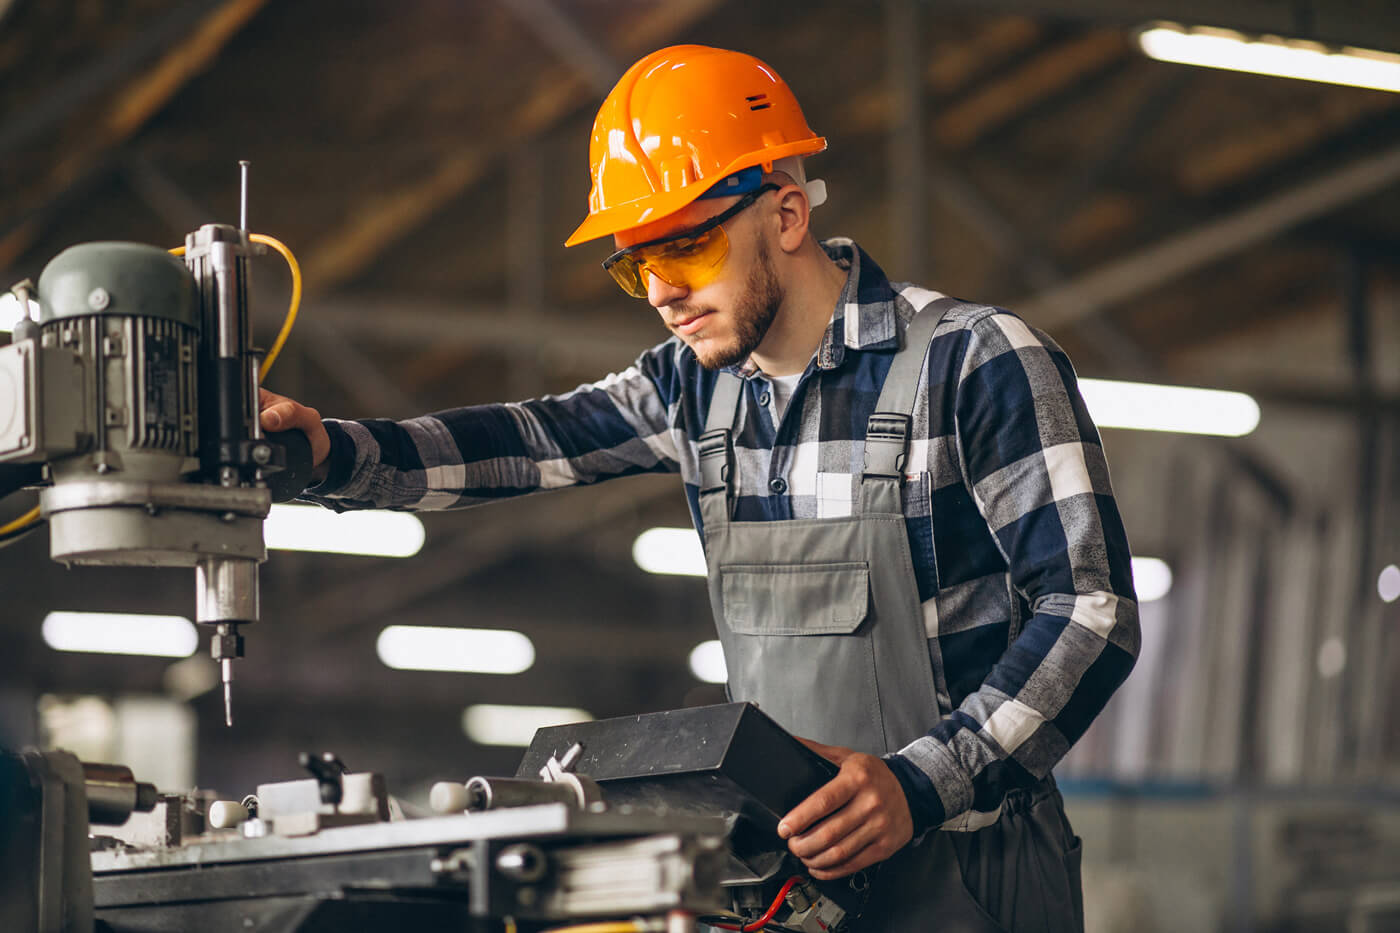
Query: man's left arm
[{"x": 1034, "y": 463}]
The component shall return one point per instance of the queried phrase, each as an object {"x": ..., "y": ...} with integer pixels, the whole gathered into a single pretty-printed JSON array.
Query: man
[{"x": 915, "y": 557}]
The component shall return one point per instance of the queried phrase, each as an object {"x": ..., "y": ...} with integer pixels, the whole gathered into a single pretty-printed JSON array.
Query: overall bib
[{"x": 822, "y": 628}]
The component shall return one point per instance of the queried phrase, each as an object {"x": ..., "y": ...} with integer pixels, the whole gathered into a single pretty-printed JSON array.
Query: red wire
[{"x": 768, "y": 915}]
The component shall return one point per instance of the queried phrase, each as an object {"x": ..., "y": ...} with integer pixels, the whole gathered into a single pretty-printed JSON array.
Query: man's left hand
[{"x": 856, "y": 819}]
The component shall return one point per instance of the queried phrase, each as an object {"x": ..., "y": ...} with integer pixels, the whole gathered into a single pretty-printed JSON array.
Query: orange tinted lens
[
  {"x": 691, "y": 262},
  {"x": 628, "y": 274}
]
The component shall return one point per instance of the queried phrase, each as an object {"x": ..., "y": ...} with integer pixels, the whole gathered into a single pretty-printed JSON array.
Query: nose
[{"x": 661, "y": 293}]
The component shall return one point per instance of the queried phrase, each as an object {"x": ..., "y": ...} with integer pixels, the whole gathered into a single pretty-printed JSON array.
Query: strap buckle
[
  {"x": 716, "y": 460},
  {"x": 886, "y": 444}
]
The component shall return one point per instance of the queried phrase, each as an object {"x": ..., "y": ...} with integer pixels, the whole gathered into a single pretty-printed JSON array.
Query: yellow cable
[
  {"x": 291, "y": 317},
  {"x": 24, "y": 521},
  {"x": 612, "y": 927},
  {"x": 291, "y": 309}
]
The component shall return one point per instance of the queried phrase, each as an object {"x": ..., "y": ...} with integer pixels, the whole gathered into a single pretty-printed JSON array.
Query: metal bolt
[
  {"x": 98, "y": 299},
  {"x": 228, "y": 517},
  {"x": 262, "y": 453}
]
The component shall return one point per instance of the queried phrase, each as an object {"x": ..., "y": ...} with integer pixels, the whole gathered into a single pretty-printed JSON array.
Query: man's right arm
[{"x": 617, "y": 426}]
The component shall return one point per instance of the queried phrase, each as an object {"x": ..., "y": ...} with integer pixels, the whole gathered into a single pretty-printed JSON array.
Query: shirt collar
[{"x": 865, "y": 317}]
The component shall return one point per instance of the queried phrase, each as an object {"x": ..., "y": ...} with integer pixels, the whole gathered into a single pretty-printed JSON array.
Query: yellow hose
[
  {"x": 24, "y": 521},
  {"x": 291, "y": 309},
  {"x": 295, "y": 304},
  {"x": 618, "y": 926}
]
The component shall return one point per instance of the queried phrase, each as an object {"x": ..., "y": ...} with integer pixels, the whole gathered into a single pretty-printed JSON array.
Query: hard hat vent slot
[{"x": 758, "y": 102}]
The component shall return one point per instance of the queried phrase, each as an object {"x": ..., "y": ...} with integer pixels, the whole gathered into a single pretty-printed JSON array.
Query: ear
[{"x": 794, "y": 215}]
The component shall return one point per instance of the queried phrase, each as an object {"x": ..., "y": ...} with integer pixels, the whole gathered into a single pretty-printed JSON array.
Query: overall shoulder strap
[
  {"x": 887, "y": 430},
  {"x": 717, "y": 443}
]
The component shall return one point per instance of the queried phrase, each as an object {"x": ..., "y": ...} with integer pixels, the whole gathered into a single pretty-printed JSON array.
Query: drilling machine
[{"x": 133, "y": 402}]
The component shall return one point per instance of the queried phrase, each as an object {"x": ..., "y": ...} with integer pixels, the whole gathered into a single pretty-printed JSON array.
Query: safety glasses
[{"x": 691, "y": 259}]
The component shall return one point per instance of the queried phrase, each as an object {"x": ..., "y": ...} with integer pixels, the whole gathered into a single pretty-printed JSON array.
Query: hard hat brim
[{"x": 661, "y": 204}]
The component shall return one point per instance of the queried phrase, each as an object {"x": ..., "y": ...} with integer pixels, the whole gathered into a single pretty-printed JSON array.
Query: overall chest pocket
[
  {"x": 806, "y": 599},
  {"x": 797, "y": 641}
]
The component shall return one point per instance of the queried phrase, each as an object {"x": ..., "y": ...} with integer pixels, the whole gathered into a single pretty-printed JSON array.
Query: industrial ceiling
[{"x": 425, "y": 159}]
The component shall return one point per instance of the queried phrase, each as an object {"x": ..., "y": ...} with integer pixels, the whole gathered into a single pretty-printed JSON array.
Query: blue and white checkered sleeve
[
  {"x": 1033, "y": 460},
  {"x": 617, "y": 426}
]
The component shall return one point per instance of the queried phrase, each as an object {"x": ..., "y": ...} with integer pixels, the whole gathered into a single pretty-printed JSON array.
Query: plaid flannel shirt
[{"x": 1022, "y": 563}]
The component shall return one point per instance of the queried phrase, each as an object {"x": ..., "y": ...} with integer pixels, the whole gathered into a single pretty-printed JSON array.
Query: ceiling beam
[
  {"x": 1002, "y": 100},
  {"x": 554, "y": 96},
  {"x": 559, "y": 30},
  {"x": 142, "y": 98},
  {"x": 65, "y": 97},
  {"x": 1123, "y": 279}
]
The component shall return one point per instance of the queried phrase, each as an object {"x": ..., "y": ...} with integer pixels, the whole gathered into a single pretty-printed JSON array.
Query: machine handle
[{"x": 295, "y": 475}]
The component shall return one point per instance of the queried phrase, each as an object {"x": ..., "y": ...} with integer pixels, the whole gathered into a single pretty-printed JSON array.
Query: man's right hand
[{"x": 280, "y": 413}]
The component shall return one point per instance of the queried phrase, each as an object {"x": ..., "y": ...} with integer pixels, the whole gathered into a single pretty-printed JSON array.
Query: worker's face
[{"x": 725, "y": 320}]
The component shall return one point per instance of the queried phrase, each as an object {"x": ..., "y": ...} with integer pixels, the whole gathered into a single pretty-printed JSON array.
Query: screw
[
  {"x": 228, "y": 517},
  {"x": 99, "y": 299},
  {"x": 262, "y": 454}
]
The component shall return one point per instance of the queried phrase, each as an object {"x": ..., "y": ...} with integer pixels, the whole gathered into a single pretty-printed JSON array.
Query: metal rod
[{"x": 243, "y": 195}]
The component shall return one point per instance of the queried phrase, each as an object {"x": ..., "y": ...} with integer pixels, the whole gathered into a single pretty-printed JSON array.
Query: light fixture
[
  {"x": 1271, "y": 55},
  {"x": 1146, "y": 407},
  {"x": 670, "y": 550},
  {"x": 11, "y": 312},
  {"x": 470, "y": 650},
  {"x": 1388, "y": 584},
  {"x": 496, "y": 724},
  {"x": 1152, "y": 578},
  {"x": 121, "y": 633},
  {"x": 372, "y": 533},
  {"x": 707, "y": 662}
]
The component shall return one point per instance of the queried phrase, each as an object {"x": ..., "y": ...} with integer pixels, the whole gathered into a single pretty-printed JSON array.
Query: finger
[
  {"x": 859, "y": 836},
  {"x": 833, "y": 830},
  {"x": 863, "y": 859},
  {"x": 276, "y": 416},
  {"x": 832, "y": 753},
  {"x": 826, "y": 799}
]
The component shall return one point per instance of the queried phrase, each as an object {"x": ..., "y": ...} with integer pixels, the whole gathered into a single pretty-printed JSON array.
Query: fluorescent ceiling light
[
  {"x": 707, "y": 662},
  {"x": 1152, "y": 578},
  {"x": 670, "y": 550},
  {"x": 1388, "y": 585},
  {"x": 11, "y": 313},
  {"x": 373, "y": 533},
  {"x": 492, "y": 724},
  {"x": 475, "y": 650},
  {"x": 121, "y": 633},
  {"x": 1271, "y": 55},
  {"x": 1147, "y": 407}
]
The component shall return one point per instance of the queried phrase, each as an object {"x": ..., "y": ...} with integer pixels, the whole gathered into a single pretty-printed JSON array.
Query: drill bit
[{"x": 227, "y": 674}]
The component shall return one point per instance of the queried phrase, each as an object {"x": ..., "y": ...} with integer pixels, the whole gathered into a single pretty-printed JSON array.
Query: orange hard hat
[{"x": 678, "y": 121}]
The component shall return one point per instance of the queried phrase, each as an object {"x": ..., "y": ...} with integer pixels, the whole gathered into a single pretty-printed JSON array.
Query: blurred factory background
[{"x": 425, "y": 159}]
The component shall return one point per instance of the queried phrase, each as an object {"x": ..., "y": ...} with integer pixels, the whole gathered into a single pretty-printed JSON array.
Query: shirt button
[
  {"x": 778, "y": 485},
  {"x": 763, "y": 399}
]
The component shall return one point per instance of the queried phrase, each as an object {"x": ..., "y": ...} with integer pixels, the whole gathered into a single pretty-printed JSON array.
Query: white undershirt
[{"x": 783, "y": 387}]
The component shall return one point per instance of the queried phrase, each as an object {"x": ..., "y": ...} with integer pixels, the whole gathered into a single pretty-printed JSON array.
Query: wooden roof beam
[
  {"x": 141, "y": 99},
  {"x": 556, "y": 95}
]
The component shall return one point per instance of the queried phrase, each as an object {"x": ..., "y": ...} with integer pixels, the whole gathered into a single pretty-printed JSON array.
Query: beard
[{"x": 753, "y": 315}]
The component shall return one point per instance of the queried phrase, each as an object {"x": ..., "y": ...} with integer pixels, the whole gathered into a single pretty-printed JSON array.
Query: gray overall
[{"x": 822, "y": 628}]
